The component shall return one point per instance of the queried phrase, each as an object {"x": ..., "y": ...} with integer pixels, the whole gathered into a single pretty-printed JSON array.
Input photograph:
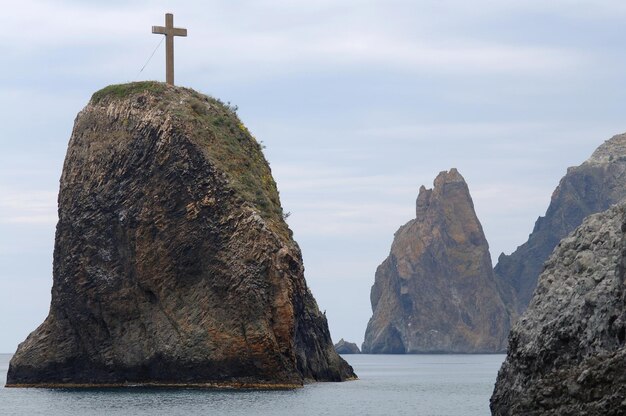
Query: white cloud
[
  {"x": 321, "y": 48},
  {"x": 233, "y": 42},
  {"x": 332, "y": 219},
  {"x": 326, "y": 201},
  {"x": 28, "y": 207}
]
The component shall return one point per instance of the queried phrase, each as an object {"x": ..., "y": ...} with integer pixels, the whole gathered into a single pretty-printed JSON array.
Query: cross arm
[
  {"x": 170, "y": 31},
  {"x": 159, "y": 29}
]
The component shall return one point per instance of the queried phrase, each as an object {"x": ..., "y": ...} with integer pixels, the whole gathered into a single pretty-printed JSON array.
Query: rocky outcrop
[
  {"x": 586, "y": 189},
  {"x": 345, "y": 347},
  {"x": 172, "y": 262},
  {"x": 566, "y": 353},
  {"x": 436, "y": 292}
]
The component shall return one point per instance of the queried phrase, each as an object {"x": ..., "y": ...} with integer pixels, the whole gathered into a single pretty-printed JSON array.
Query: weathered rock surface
[
  {"x": 589, "y": 188},
  {"x": 172, "y": 261},
  {"x": 566, "y": 353},
  {"x": 345, "y": 347},
  {"x": 436, "y": 292}
]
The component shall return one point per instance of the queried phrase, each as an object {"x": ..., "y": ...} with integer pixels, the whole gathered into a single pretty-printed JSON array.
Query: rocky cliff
[
  {"x": 586, "y": 189},
  {"x": 172, "y": 262},
  {"x": 566, "y": 353},
  {"x": 436, "y": 292}
]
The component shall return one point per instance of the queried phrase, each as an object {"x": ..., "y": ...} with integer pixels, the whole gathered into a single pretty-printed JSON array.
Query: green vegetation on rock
[
  {"x": 217, "y": 129},
  {"x": 125, "y": 90}
]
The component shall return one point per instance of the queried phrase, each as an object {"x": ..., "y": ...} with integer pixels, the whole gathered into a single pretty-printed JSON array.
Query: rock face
[
  {"x": 345, "y": 347},
  {"x": 436, "y": 292},
  {"x": 566, "y": 353},
  {"x": 586, "y": 189},
  {"x": 172, "y": 262}
]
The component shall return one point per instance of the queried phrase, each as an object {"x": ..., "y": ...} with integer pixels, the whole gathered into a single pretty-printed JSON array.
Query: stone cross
[{"x": 169, "y": 31}]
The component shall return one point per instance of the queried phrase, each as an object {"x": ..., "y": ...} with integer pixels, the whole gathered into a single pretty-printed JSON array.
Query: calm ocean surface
[{"x": 439, "y": 385}]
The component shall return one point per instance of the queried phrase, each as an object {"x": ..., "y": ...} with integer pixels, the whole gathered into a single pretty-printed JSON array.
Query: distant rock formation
[
  {"x": 436, "y": 292},
  {"x": 566, "y": 353},
  {"x": 345, "y": 347},
  {"x": 172, "y": 262},
  {"x": 586, "y": 189}
]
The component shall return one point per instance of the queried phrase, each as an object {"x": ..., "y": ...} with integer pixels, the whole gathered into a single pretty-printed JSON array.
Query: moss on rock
[{"x": 223, "y": 137}]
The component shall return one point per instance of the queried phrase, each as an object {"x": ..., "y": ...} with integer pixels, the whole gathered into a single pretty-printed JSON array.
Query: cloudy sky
[{"x": 357, "y": 102}]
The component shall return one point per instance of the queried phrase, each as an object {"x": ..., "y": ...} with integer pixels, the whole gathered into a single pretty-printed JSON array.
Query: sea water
[{"x": 458, "y": 385}]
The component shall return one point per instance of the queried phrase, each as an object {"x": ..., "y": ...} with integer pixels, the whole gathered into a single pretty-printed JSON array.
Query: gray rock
[
  {"x": 345, "y": 347},
  {"x": 566, "y": 353},
  {"x": 589, "y": 188}
]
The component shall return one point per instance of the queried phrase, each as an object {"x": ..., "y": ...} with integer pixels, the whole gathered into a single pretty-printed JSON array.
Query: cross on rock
[{"x": 169, "y": 31}]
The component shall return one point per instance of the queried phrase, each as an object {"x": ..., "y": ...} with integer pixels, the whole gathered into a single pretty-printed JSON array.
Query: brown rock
[
  {"x": 436, "y": 291},
  {"x": 172, "y": 263}
]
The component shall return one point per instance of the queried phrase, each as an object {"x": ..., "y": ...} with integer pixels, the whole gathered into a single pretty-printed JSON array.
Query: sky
[{"x": 358, "y": 103}]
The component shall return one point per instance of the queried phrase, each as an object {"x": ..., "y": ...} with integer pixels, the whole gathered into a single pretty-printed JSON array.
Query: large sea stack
[
  {"x": 567, "y": 352},
  {"x": 436, "y": 292},
  {"x": 172, "y": 262},
  {"x": 589, "y": 188}
]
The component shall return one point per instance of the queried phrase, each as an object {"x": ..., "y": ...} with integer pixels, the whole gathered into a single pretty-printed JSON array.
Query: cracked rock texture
[
  {"x": 436, "y": 292},
  {"x": 566, "y": 353},
  {"x": 587, "y": 189},
  {"x": 172, "y": 262}
]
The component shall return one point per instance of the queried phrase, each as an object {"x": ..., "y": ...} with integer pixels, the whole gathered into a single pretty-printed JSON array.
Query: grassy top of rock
[{"x": 217, "y": 129}]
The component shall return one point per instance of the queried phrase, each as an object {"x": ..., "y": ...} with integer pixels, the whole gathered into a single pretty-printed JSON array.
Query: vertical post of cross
[
  {"x": 169, "y": 50},
  {"x": 169, "y": 31}
]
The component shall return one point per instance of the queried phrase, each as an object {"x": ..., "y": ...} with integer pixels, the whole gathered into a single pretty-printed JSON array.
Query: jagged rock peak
[
  {"x": 567, "y": 352},
  {"x": 436, "y": 291},
  {"x": 173, "y": 264},
  {"x": 450, "y": 176},
  {"x": 443, "y": 178},
  {"x": 423, "y": 201},
  {"x": 586, "y": 189},
  {"x": 610, "y": 149}
]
